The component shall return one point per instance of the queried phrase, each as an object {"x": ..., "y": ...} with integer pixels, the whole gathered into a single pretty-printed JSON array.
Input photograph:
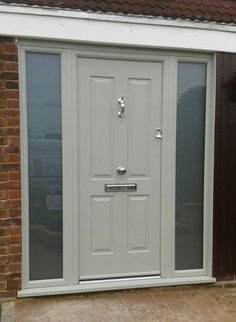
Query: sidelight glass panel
[
  {"x": 190, "y": 144},
  {"x": 43, "y": 81}
]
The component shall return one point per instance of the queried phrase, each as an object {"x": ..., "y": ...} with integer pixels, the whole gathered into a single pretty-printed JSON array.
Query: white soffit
[{"x": 112, "y": 29}]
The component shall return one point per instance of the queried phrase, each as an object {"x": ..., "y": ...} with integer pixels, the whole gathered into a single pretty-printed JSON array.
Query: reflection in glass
[
  {"x": 43, "y": 81},
  {"x": 190, "y": 144}
]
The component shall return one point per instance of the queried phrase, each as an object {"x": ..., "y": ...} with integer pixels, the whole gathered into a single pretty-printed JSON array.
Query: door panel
[
  {"x": 139, "y": 109},
  {"x": 138, "y": 228},
  {"x": 101, "y": 94},
  {"x": 119, "y": 231},
  {"x": 102, "y": 221}
]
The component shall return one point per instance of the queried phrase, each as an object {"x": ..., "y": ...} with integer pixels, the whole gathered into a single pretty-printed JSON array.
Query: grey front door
[{"x": 119, "y": 231}]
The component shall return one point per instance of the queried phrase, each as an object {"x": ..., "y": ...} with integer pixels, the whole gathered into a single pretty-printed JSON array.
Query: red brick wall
[{"x": 10, "y": 205}]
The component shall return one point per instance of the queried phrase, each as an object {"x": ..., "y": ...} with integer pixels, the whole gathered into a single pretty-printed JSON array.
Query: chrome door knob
[{"x": 121, "y": 170}]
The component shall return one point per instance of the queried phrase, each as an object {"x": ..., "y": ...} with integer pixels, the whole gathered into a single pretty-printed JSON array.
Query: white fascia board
[{"x": 111, "y": 29}]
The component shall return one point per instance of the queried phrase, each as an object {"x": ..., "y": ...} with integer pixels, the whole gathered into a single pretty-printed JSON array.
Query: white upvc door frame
[
  {"x": 70, "y": 282},
  {"x": 67, "y": 167},
  {"x": 169, "y": 183}
]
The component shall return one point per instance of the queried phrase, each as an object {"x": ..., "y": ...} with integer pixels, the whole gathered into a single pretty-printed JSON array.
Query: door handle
[{"x": 121, "y": 113}]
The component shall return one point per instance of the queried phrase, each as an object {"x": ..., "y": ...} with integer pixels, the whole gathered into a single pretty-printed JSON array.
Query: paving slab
[
  {"x": 163, "y": 304},
  {"x": 8, "y": 312}
]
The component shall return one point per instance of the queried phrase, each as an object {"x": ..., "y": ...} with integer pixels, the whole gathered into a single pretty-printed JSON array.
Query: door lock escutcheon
[
  {"x": 121, "y": 170},
  {"x": 158, "y": 133}
]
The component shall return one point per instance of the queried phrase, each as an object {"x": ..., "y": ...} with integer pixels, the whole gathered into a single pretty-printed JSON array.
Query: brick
[
  {"x": 12, "y": 149},
  {"x": 12, "y": 276},
  {"x": 9, "y": 149},
  {"x": 4, "y": 214},
  {"x": 2, "y": 84},
  {"x": 13, "y": 140},
  {"x": 14, "y": 231},
  {"x": 14, "y": 284},
  {"x": 9, "y": 75},
  {"x": 3, "y": 231},
  {"x": 12, "y": 103},
  {"x": 14, "y": 213},
  {"x": 10, "y": 113},
  {"x": 9, "y": 185},
  {"x": 3, "y": 250},
  {"x": 3, "y": 176},
  {"x": 11, "y": 66},
  {"x": 9, "y": 131},
  {"x": 11, "y": 85},
  {"x": 9, "y": 203},
  {"x": 3, "y": 158},
  {"x": 8, "y": 57},
  {"x": 14, "y": 268},
  {"x": 15, "y": 239},
  {"x": 3, "y": 285},
  {"x": 7, "y": 294},
  {"x": 2, "y": 64},
  {"x": 3, "y": 275},
  {"x": 14, "y": 258},
  {"x": 14, "y": 249},
  {"x": 4, "y": 241},
  {"x": 14, "y": 176},
  {"x": 3, "y": 140},
  {"x": 3, "y": 204},
  {"x": 9, "y": 93},
  {"x": 8, "y": 167},
  {"x": 4, "y": 259},
  {"x": 3, "y": 268},
  {"x": 11, "y": 221},
  {"x": 13, "y": 158},
  {"x": 4, "y": 223},
  {"x": 13, "y": 122},
  {"x": 14, "y": 194},
  {"x": 2, "y": 103},
  {"x": 3, "y": 195},
  {"x": 9, "y": 48},
  {"x": 3, "y": 122}
]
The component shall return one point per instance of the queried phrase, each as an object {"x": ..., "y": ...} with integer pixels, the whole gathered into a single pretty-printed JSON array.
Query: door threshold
[
  {"x": 116, "y": 279},
  {"x": 104, "y": 285}
]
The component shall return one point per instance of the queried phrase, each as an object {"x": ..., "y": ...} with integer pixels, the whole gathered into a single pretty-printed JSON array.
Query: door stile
[
  {"x": 69, "y": 170},
  {"x": 168, "y": 167}
]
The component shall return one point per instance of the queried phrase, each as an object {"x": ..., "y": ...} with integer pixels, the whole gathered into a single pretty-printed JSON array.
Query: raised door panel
[
  {"x": 101, "y": 126},
  {"x": 138, "y": 125},
  {"x": 102, "y": 225},
  {"x": 138, "y": 224}
]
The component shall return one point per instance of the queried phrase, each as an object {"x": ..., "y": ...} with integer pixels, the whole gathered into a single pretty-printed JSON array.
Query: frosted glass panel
[
  {"x": 190, "y": 165},
  {"x": 43, "y": 78}
]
